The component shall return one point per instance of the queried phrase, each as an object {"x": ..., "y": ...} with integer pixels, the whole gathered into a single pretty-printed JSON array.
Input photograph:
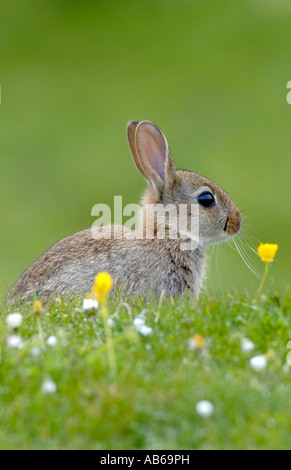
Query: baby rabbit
[{"x": 140, "y": 264}]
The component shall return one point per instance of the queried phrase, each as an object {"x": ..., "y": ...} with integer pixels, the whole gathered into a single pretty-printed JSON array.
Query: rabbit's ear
[
  {"x": 153, "y": 154},
  {"x": 131, "y": 128}
]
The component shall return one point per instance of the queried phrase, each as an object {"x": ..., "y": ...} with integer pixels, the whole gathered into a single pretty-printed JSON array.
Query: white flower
[
  {"x": 141, "y": 327},
  {"x": 258, "y": 363},
  {"x": 14, "y": 341},
  {"x": 138, "y": 323},
  {"x": 52, "y": 341},
  {"x": 204, "y": 408},
  {"x": 35, "y": 351},
  {"x": 110, "y": 322},
  {"x": 247, "y": 345},
  {"x": 192, "y": 344},
  {"x": 145, "y": 330},
  {"x": 49, "y": 387},
  {"x": 14, "y": 320},
  {"x": 89, "y": 305}
]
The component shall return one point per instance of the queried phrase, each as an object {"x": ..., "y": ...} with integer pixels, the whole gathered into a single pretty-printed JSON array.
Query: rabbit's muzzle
[{"x": 233, "y": 223}]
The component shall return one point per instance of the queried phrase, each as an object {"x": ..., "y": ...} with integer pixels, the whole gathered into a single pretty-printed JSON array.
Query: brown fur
[{"x": 138, "y": 266}]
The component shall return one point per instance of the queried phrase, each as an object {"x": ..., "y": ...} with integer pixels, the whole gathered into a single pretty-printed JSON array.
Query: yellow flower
[
  {"x": 37, "y": 307},
  {"x": 267, "y": 252},
  {"x": 271, "y": 354},
  {"x": 102, "y": 285},
  {"x": 199, "y": 341},
  {"x": 196, "y": 342}
]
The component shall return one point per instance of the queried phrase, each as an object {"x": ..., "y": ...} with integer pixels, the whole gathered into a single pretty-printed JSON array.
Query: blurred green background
[{"x": 211, "y": 74}]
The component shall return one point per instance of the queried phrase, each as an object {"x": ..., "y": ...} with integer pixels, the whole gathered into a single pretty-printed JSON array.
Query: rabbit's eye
[{"x": 206, "y": 199}]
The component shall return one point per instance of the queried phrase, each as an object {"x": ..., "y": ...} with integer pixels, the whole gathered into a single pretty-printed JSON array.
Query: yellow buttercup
[
  {"x": 102, "y": 286},
  {"x": 37, "y": 307},
  {"x": 267, "y": 252}
]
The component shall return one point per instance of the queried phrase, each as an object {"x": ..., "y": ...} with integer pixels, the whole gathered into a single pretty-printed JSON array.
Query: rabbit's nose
[{"x": 233, "y": 222}]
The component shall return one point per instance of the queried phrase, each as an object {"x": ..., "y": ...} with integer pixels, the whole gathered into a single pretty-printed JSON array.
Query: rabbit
[{"x": 139, "y": 265}]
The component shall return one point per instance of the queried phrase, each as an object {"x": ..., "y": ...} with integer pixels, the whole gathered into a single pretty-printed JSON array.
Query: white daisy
[
  {"x": 138, "y": 323},
  {"x": 145, "y": 330},
  {"x": 52, "y": 341},
  {"x": 14, "y": 320},
  {"x": 89, "y": 305},
  {"x": 204, "y": 408},
  {"x": 247, "y": 345},
  {"x": 258, "y": 363},
  {"x": 14, "y": 341},
  {"x": 48, "y": 386}
]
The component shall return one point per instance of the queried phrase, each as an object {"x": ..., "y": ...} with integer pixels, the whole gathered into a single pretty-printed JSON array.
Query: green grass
[{"x": 149, "y": 403}]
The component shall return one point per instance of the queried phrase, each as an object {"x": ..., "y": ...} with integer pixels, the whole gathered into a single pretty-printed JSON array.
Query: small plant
[
  {"x": 99, "y": 293},
  {"x": 266, "y": 252},
  {"x": 38, "y": 310}
]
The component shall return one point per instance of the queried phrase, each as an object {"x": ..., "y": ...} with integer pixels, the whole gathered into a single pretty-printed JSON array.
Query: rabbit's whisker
[{"x": 245, "y": 261}]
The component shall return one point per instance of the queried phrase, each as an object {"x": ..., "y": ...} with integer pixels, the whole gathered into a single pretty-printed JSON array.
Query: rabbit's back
[{"x": 137, "y": 266}]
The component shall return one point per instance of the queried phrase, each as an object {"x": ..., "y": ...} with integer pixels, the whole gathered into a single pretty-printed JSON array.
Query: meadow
[{"x": 58, "y": 390}]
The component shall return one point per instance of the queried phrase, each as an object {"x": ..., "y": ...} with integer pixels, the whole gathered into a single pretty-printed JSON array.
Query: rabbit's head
[{"x": 219, "y": 218}]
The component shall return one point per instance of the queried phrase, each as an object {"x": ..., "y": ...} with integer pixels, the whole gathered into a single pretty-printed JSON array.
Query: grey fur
[{"x": 138, "y": 266}]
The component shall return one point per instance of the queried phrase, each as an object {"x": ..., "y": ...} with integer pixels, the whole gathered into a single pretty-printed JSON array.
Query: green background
[{"x": 211, "y": 74}]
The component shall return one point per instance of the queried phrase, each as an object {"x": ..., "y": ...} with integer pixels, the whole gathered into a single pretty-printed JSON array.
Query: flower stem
[
  {"x": 109, "y": 341},
  {"x": 264, "y": 278},
  {"x": 96, "y": 331},
  {"x": 40, "y": 332}
]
